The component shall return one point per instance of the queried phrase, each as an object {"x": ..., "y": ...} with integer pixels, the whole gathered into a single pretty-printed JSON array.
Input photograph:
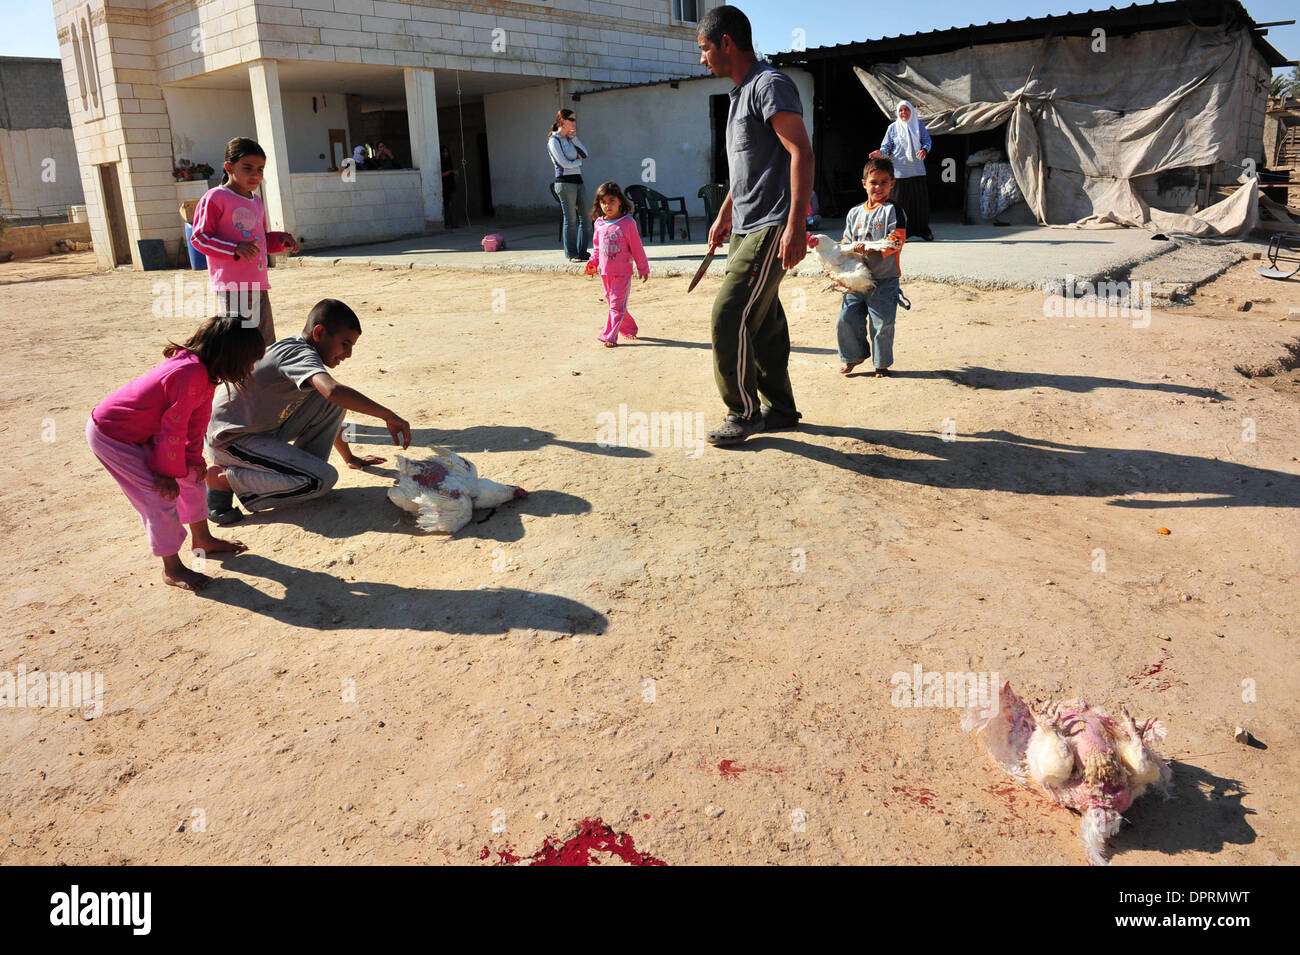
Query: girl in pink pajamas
[
  {"x": 617, "y": 245},
  {"x": 149, "y": 435}
]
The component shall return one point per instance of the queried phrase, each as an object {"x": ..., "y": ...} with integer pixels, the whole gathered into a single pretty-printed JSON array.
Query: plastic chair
[
  {"x": 665, "y": 206},
  {"x": 713, "y": 194},
  {"x": 648, "y": 211}
]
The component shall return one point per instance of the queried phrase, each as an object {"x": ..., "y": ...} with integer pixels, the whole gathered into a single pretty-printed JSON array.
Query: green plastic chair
[{"x": 714, "y": 194}]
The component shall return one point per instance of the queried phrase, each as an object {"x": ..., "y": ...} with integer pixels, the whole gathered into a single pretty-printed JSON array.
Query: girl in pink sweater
[
  {"x": 149, "y": 436},
  {"x": 230, "y": 229},
  {"x": 616, "y": 244}
]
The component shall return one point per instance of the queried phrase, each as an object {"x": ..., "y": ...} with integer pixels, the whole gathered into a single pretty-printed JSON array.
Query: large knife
[{"x": 704, "y": 267}]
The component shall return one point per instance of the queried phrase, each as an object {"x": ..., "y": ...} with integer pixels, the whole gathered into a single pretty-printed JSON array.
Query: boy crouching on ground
[{"x": 271, "y": 440}]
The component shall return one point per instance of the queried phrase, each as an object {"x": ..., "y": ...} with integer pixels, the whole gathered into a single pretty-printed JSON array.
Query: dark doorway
[
  {"x": 115, "y": 214},
  {"x": 719, "y": 106},
  {"x": 463, "y": 130}
]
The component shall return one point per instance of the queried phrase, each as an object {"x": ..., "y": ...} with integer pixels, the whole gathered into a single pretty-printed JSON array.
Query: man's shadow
[
  {"x": 1205, "y": 814},
  {"x": 481, "y": 438},
  {"x": 1004, "y": 461},
  {"x": 708, "y": 346},
  {"x": 349, "y": 511},
  {"x": 321, "y": 601}
]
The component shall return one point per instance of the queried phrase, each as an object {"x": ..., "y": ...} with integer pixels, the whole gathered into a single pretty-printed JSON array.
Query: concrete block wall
[
  {"x": 376, "y": 206},
  {"x": 29, "y": 97}
]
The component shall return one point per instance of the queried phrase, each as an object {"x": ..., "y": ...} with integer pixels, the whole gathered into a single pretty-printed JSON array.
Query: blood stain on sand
[
  {"x": 1155, "y": 677},
  {"x": 593, "y": 836},
  {"x": 730, "y": 769}
]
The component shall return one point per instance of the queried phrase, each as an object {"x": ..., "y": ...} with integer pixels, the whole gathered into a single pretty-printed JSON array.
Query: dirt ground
[{"x": 697, "y": 650}]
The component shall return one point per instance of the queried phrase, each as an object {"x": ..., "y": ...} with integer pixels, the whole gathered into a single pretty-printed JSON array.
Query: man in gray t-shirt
[
  {"x": 771, "y": 167},
  {"x": 270, "y": 442}
]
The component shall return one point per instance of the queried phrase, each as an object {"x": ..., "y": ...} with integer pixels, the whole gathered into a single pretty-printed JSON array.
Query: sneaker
[
  {"x": 221, "y": 508},
  {"x": 778, "y": 420},
  {"x": 735, "y": 429}
]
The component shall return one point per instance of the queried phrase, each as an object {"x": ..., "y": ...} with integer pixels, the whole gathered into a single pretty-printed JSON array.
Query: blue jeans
[
  {"x": 880, "y": 305},
  {"x": 574, "y": 200}
]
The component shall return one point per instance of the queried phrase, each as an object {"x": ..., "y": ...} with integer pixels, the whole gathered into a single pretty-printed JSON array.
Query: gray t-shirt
[
  {"x": 281, "y": 382},
  {"x": 759, "y": 164},
  {"x": 873, "y": 225}
]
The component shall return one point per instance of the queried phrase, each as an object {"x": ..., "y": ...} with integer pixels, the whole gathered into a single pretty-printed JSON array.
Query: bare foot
[
  {"x": 848, "y": 366},
  {"x": 176, "y": 574},
  {"x": 216, "y": 479},
  {"x": 882, "y": 372},
  {"x": 215, "y": 545},
  {"x": 611, "y": 344}
]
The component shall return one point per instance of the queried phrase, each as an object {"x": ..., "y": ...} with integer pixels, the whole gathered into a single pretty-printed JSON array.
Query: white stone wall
[
  {"x": 25, "y": 156},
  {"x": 620, "y": 41},
  {"x": 621, "y": 128},
  {"x": 380, "y": 205}
]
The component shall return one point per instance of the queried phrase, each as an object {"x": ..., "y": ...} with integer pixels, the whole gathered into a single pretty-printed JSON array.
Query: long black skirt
[{"x": 912, "y": 195}]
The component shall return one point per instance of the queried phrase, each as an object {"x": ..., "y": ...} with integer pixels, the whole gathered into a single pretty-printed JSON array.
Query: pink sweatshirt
[
  {"x": 617, "y": 244},
  {"x": 222, "y": 220},
  {"x": 169, "y": 406}
]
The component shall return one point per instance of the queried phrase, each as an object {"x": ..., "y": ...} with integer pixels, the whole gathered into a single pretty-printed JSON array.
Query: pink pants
[
  {"x": 163, "y": 519},
  {"x": 617, "y": 288}
]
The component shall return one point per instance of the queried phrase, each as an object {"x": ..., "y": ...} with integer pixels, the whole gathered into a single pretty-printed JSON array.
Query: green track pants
[{"x": 751, "y": 341}]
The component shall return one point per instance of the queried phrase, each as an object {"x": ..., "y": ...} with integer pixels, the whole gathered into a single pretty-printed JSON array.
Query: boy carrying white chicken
[{"x": 876, "y": 220}]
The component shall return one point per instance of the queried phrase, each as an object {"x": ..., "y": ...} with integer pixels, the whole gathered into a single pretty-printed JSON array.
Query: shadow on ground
[
  {"x": 476, "y": 440},
  {"x": 349, "y": 511},
  {"x": 1003, "y": 461},
  {"x": 320, "y": 601},
  {"x": 1204, "y": 815}
]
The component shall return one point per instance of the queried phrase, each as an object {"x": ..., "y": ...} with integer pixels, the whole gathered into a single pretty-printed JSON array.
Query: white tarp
[{"x": 1083, "y": 122}]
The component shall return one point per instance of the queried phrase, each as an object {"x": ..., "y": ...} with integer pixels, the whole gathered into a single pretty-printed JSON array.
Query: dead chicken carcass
[
  {"x": 444, "y": 489},
  {"x": 1078, "y": 755}
]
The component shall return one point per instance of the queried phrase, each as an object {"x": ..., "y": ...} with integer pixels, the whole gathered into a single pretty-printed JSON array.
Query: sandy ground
[{"x": 697, "y": 650}]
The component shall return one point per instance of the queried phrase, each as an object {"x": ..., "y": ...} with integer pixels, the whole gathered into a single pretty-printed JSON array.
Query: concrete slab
[{"x": 983, "y": 256}]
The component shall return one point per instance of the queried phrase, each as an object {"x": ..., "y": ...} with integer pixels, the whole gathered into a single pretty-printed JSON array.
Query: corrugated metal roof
[
  {"x": 632, "y": 86},
  {"x": 1163, "y": 13}
]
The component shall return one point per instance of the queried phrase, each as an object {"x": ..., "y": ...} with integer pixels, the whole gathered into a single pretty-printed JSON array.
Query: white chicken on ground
[
  {"x": 846, "y": 270},
  {"x": 1078, "y": 756},
  {"x": 444, "y": 489}
]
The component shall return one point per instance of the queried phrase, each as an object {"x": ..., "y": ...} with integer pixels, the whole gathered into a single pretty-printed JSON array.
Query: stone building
[{"x": 152, "y": 82}]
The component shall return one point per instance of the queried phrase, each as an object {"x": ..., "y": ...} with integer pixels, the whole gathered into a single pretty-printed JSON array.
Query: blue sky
[{"x": 29, "y": 24}]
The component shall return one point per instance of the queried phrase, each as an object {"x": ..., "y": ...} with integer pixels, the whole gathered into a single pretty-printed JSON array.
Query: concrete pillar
[
  {"x": 426, "y": 154},
  {"x": 277, "y": 187}
]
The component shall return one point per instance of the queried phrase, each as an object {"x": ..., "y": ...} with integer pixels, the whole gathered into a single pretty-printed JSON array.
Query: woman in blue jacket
[
  {"x": 567, "y": 153},
  {"x": 906, "y": 144}
]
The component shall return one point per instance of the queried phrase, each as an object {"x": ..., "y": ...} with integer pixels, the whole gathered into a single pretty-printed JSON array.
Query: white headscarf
[{"x": 907, "y": 135}]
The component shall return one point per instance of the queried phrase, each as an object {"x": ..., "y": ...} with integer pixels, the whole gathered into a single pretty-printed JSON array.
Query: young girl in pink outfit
[
  {"x": 230, "y": 229},
  {"x": 617, "y": 245},
  {"x": 149, "y": 436}
]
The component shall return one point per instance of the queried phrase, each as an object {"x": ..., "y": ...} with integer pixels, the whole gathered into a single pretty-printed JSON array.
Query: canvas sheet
[{"x": 1082, "y": 123}]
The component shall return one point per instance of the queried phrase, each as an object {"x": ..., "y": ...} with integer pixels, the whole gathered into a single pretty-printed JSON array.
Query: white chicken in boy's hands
[
  {"x": 845, "y": 265},
  {"x": 444, "y": 490}
]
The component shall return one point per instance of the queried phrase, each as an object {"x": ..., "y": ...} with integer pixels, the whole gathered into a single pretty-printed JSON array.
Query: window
[
  {"x": 88, "y": 53},
  {"x": 81, "y": 71},
  {"x": 686, "y": 11}
]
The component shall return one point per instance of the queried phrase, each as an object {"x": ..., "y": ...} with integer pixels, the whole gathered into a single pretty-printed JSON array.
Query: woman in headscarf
[
  {"x": 906, "y": 144},
  {"x": 567, "y": 153}
]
